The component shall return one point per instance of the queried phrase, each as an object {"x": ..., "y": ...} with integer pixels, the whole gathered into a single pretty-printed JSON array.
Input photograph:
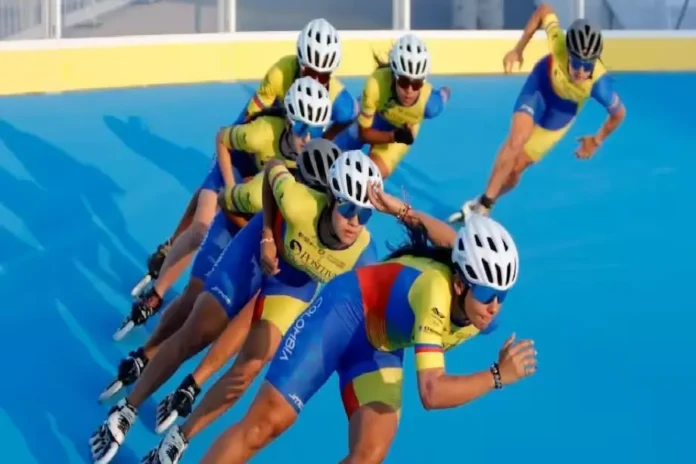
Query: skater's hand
[
  {"x": 382, "y": 201},
  {"x": 445, "y": 93},
  {"x": 510, "y": 59},
  {"x": 269, "y": 255},
  {"x": 588, "y": 146},
  {"x": 516, "y": 360}
]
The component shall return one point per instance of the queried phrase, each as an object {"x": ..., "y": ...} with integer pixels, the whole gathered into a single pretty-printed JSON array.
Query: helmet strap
[
  {"x": 325, "y": 231},
  {"x": 459, "y": 317},
  {"x": 300, "y": 177},
  {"x": 286, "y": 147},
  {"x": 301, "y": 73}
]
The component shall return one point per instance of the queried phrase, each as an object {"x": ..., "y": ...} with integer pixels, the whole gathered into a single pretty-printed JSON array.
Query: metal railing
[
  {"x": 17, "y": 16},
  {"x": 35, "y": 19}
]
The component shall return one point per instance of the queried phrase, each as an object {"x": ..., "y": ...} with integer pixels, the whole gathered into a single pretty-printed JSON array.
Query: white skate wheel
[
  {"x": 111, "y": 390},
  {"x": 124, "y": 330},
  {"x": 138, "y": 289}
]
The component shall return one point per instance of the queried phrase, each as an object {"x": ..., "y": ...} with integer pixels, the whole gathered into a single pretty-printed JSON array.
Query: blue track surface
[{"x": 90, "y": 183}]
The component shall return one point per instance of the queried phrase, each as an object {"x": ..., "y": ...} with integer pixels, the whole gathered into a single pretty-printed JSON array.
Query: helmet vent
[
  {"x": 491, "y": 245},
  {"x": 349, "y": 186},
  {"x": 499, "y": 274},
  {"x": 470, "y": 272},
  {"x": 359, "y": 192},
  {"x": 487, "y": 269}
]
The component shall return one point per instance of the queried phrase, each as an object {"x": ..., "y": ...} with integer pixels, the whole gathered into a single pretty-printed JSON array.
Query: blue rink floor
[{"x": 91, "y": 182}]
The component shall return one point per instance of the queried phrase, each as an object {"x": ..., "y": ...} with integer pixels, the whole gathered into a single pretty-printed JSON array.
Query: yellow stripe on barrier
[
  {"x": 112, "y": 63},
  {"x": 663, "y": 54}
]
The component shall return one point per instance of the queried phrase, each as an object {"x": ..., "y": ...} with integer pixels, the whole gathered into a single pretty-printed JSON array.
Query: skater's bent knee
[
  {"x": 243, "y": 374},
  {"x": 265, "y": 429},
  {"x": 516, "y": 142}
]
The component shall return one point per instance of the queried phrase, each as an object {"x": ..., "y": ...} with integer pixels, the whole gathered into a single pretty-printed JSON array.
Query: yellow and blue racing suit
[
  {"x": 304, "y": 261},
  {"x": 551, "y": 97},
  {"x": 252, "y": 145},
  {"x": 277, "y": 82},
  {"x": 359, "y": 325},
  {"x": 380, "y": 109}
]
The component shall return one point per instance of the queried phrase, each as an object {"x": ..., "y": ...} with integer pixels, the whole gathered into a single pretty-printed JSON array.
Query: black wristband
[
  {"x": 486, "y": 202},
  {"x": 495, "y": 370},
  {"x": 403, "y": 135}
]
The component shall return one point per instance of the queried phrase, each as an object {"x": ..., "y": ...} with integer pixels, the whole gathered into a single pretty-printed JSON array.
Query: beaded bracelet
[
  {"x": 495, "y": 370},
  {"x": 404, "y": 212}
]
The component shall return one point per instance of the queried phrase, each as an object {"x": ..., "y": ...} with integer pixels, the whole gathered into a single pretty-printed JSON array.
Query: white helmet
[
  {"x": 308, "y": 101},
  {"x": 350, "y": 175},
  {"x": 319, "y": 47},
  {"x": 315, "y": 161},
  {"x": 409, "y": 57},
  {"x": 486, "y": 254}
]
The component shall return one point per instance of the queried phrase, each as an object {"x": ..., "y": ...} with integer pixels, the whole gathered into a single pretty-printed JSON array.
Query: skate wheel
[
  {"x": 456, "y": 217},
  {"x": 111, "y": 390},
  {"x": 100, "y": 456},
  {"x": 123, "y": 330},
  {"x": 140, "y": 286},
  {"x": 167, "y": 422}
]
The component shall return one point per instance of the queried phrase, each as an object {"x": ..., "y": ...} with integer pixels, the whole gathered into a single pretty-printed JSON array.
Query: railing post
[
  {"x": 401, "y": 15},
  {"x": 407, "y": 14},
  {"x": 46, "y": 18},
  {"x": 58, "y": 19},
  {"x": 221, "y": 15},
  {"x": 232, "y": 16},
  {"x": 580, "y": 8}
]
